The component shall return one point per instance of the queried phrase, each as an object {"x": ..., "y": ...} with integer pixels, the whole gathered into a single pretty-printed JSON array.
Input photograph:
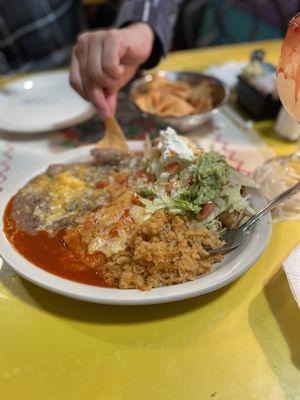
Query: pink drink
[{"x": 288, "y": 73}]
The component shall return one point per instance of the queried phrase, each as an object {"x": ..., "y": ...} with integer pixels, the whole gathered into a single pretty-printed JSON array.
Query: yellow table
[{"x": 239, "y": 343}]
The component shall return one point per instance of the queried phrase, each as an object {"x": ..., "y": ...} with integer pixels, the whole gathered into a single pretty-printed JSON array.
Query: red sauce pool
[{"x": 49, "y": 253}]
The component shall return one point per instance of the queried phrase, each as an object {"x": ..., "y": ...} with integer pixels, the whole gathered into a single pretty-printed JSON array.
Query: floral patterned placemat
[{"x": 243, "y": 148}]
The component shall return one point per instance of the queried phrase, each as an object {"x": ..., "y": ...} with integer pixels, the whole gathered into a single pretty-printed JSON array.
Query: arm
[
  {"x": 160, "y": 15},
  {"x": 104, "y": 61}
]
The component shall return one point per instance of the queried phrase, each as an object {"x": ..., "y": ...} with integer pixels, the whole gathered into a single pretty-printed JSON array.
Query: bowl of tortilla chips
[{"x": 184, "y": 100}]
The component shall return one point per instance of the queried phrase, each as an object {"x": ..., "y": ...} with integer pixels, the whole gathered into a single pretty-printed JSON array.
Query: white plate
[
  {"x": 40, "y": 103},
  {"x": 234, "y": 264}
]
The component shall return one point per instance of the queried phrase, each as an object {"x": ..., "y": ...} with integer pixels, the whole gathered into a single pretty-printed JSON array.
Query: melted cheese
[
  {"x": 60, "y": 188},
  {"x": 112, "y": 224},
  {"x": 58, "y": 191}
]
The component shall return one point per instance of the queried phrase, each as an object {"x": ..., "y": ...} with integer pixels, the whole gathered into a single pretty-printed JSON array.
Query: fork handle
[{"x": 277, "y": 200}]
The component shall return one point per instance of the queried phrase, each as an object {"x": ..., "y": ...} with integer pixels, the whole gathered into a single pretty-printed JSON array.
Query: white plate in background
[{"x": 41, "y": 102}]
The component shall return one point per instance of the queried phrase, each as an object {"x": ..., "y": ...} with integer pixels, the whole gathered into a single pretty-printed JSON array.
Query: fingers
[
  {"x": 111, "y": 99},
  {"x": 99, "y": 100},
  {"x": 88, "y": 90},
  {"x": 97, "y": 72},
  {"x": 86, "y": 54},
  {"x": 94, "y": 69},
  {"x": 81, "y": 50},
  {"x": 112, "y": 53},
  {"x": 75, "y": 76}
]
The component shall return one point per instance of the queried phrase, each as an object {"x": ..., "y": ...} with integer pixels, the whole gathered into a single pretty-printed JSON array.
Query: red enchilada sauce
[{"x": 49, "y": 252}]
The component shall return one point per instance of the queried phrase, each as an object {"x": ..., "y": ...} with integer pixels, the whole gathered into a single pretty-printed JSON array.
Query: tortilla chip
[
  {"x": 113, "y": 137},
  {"x": 201, "y": 96},
  {"x": 177, "y": 88},
  {"x": 163, "y": 104},
  {"x": 168, "y": 98}
]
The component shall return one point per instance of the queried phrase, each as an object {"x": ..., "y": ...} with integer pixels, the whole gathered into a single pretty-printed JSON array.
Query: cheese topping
[{"x": 174, "y": 147}]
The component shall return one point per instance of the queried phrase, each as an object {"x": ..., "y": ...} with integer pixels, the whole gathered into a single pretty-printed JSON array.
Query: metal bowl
[{"x": 220, "y": 94}]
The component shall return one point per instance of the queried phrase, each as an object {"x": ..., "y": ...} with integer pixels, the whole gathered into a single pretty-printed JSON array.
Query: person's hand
[{"x": 104, "y": 61}]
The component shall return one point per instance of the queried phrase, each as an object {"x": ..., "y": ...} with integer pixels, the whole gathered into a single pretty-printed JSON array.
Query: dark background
[{"x": 213, "y": 22}]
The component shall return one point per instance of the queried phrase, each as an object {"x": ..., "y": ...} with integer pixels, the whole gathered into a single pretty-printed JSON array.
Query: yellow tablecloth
[{"x": 239, "y": 343}]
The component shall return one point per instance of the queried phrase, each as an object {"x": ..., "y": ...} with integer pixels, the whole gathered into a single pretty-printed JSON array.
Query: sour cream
[{"x": 174, "y": 147}]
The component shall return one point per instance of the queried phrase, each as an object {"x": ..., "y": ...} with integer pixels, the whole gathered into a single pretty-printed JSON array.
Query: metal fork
[{"x": 234, "y": 237}]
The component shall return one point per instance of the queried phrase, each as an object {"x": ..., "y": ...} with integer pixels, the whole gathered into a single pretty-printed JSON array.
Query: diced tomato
[
  {"x": 173, "y": 167},
  {"x": 114, "y": 233},
  {"x": 101, "y": 184},
  {"x": 151, "y": 178},
  {"x": 140, "y": 173},
  {"x": 190, "y": 180},
  {"x": 207, "y": 209},
  {"x": 136, "y": 201}
]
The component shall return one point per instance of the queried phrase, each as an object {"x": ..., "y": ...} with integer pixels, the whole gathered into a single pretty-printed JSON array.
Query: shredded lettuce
[
  {"x": 235, "y": 201},
  {"x": 206, "y": 178},
  {"x": 174, "y": 205},
  {"x": 236, "y": 178}
]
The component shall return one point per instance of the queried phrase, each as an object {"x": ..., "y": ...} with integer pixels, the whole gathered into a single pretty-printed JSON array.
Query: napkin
[
  {"x": 291, "y": 266},
  {"x": 227, "y": 72}
]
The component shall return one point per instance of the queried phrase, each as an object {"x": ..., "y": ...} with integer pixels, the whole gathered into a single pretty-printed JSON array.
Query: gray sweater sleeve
[{"x": 161, "y": 15}]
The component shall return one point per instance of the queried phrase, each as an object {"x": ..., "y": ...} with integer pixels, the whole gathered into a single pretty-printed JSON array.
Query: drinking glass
[{"x": 279, "y": 173}]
